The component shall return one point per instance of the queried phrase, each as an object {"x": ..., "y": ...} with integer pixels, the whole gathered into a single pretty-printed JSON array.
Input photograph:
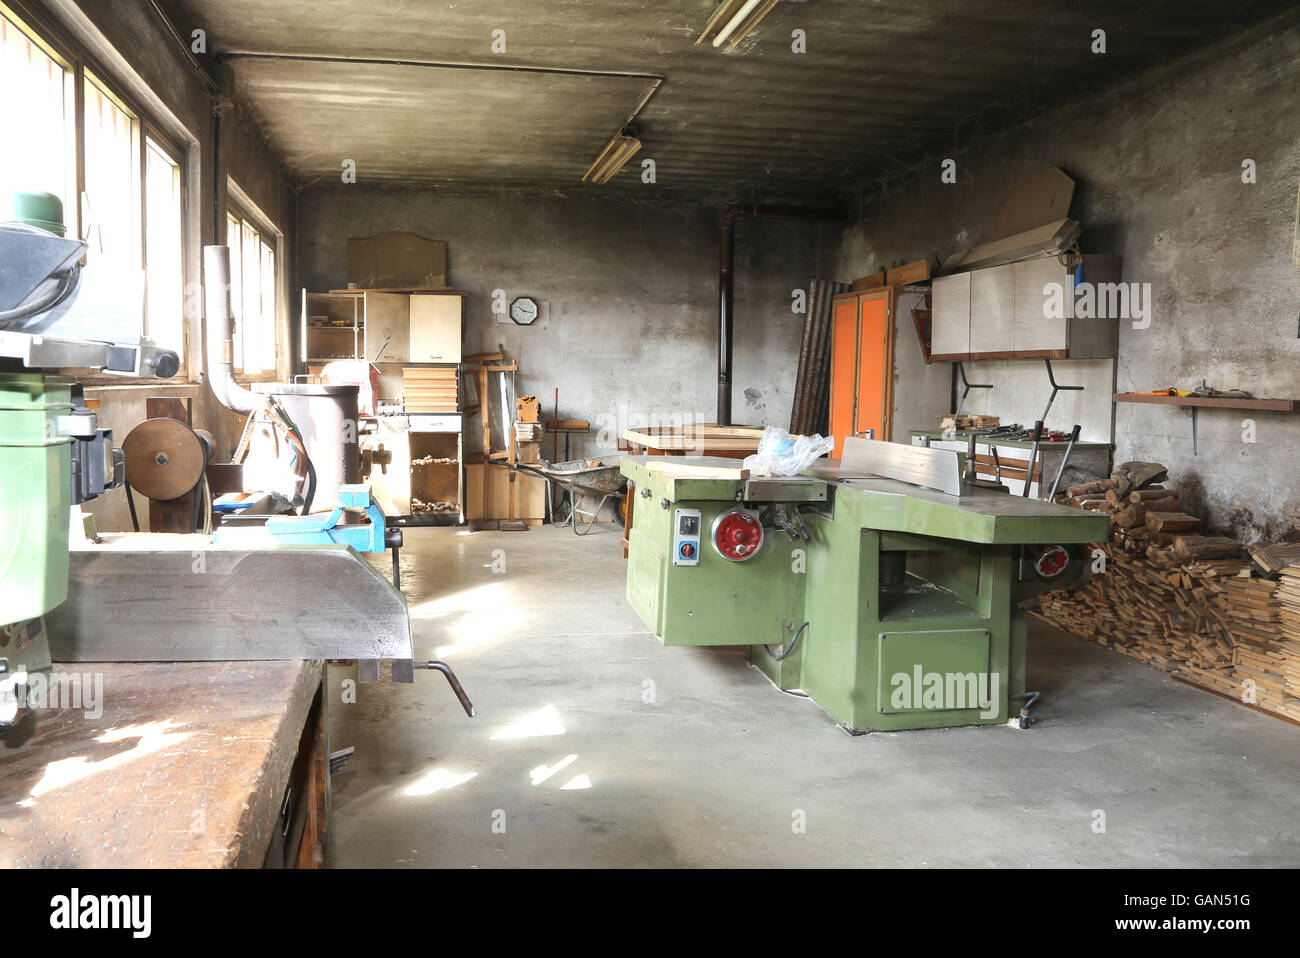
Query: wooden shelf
[{"x": 1275, "y": 405}]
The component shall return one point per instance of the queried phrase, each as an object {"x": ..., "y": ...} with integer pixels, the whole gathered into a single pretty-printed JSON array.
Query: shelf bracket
[
  {"x": 968, "y": 386},
  {"x": 1056, "y": 388}
]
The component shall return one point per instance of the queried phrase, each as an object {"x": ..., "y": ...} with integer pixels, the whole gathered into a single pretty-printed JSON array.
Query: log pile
[{"x": 1188, "y": 603}]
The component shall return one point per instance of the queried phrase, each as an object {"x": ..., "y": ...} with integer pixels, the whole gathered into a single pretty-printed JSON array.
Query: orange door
[
  {"x": 844, "y": 354},
  {"x": 875, "y": 367}
]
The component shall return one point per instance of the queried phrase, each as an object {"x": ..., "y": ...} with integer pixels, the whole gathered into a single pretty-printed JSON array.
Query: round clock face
[{"x": 523, "y": 310}]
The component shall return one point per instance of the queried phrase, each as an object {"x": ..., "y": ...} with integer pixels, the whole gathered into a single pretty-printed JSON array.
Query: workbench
[
  {"x": 188, "y": 766},
  {"x": 1092, "y": 456}
]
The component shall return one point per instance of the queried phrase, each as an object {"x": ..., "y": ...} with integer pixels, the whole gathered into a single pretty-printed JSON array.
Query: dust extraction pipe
[
  {"x": 726, "y": 282},
  {"x": 220, "y": 325}
]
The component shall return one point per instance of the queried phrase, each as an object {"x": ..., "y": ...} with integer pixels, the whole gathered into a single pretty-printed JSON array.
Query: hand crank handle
[{"x": 445, "y": 669}]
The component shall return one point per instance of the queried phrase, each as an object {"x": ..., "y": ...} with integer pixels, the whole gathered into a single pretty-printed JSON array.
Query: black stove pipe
[{"x": 726, "y": 283}]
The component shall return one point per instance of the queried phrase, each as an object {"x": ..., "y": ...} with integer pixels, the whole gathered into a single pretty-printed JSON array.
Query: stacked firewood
[
  {"x": 1188, "y": 603},
  {"x": 1148, "y": 520}
]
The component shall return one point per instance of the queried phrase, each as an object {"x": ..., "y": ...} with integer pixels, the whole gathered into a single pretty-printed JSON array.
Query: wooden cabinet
[
  {"x": 413, "y": 466},
  {"x": 992, "y": 299},
  {"x": 436, "y": 327},
  {"x": 862, "y": 365},
  {"x": 382, "y": 327},
  {"x": 1035, "y": 330},
  {"x": 950, "y": 317},
  {"x": 1008, "y": 312}
]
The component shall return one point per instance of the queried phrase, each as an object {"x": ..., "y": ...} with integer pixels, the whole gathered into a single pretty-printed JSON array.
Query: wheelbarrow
[{"x": 579, "y": 478}]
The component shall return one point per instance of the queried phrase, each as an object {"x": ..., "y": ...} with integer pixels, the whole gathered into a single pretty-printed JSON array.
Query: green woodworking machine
[{"x": 884, "y": 585}]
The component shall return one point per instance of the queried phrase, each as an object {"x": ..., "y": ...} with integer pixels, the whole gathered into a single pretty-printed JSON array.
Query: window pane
[
  {"x": 268, "y": 308},
  {"x": 252, "y": 289},
  {"x": 111, "y": 214},
  {"x": 164, "y": 274},
  {"x": 36, "y": 128},
  {"x": 235, "y": 244}
]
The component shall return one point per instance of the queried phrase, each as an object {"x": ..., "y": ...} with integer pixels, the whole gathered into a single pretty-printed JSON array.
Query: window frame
[
  {"x": 240, "y": 206},
  {"x": 84, "y": 68}
]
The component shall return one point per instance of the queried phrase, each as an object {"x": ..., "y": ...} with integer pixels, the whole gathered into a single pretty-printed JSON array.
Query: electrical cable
[{"x": 789, "y": 648}]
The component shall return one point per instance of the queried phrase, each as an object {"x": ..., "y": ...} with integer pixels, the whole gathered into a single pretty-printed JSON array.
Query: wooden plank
[
  {"x": 916, "y": 272},
  {"x": 676, "y": 469},
  {"x": 688, "y": 442},
  {"x": 1275, "y": 405}
]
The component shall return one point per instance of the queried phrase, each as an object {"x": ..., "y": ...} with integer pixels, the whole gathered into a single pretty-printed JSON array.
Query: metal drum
[{"x": 327, "y": 418}]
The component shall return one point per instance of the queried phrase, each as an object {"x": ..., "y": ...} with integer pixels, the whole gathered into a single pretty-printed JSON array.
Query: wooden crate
[{"x": 429, "y": 389}]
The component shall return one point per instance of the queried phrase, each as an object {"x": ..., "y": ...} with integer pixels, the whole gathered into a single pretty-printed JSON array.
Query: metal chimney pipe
[
  {"x": 220, "y": 326},
  {"x": 726, "y": 284}
]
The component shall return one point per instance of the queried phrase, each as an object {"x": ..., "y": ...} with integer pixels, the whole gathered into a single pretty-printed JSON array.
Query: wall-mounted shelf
[
  {"x": 1197, "y": 403},
  {"x": 1274, "y": 405}
]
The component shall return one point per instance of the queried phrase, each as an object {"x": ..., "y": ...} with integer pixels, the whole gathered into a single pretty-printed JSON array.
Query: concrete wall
[
  {"x": 1159, "y": 165},
  {"x": 628, "y": 295}
]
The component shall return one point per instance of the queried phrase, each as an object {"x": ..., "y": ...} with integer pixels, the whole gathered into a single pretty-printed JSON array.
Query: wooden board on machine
[{"x": 429, "y": 389}]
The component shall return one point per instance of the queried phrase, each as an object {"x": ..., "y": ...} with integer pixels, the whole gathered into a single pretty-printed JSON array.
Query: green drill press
[{"x": 884, "y": 585}]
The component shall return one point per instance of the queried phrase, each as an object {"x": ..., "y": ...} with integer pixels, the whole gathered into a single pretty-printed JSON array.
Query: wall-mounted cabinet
[
  {"x": 382, "y": 327},
  {"x": 437, "y": 324},
  {"x": 1008, "y": 312}
]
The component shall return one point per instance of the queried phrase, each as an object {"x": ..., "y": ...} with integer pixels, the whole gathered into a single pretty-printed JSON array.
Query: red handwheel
[{"x": 737, "y": 535}]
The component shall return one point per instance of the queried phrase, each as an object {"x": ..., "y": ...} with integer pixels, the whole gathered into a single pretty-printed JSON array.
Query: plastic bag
[{"x": 781, "y": 454}]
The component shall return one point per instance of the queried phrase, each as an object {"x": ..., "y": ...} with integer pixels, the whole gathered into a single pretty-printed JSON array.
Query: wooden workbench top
[{"x": 184, "y": 768}]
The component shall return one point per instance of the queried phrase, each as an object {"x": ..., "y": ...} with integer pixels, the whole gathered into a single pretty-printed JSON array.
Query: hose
[{"x": 789, "y": 648}]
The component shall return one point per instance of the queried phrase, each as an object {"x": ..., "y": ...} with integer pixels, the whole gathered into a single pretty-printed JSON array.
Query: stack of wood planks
[
  {"x": 1167, "y": 617},
  {"x": 429, "y": 388},
  {"x": 961, "y": 423},
  {"x": 1192, "y": 604}
]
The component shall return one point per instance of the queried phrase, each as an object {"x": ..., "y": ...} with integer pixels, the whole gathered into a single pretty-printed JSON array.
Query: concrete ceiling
[{"x": 882, "y": 83}]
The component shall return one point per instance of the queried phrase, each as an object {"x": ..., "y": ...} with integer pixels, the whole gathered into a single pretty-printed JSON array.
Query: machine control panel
[{"x": 686, "y": 536}]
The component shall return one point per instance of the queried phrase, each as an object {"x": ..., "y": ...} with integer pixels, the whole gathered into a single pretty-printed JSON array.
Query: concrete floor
[{"x": 568, "y": 764}]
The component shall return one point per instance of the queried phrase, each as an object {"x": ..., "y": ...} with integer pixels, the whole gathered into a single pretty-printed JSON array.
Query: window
[
  {"x": 37, "y": 122},
  {"x": 252, "y": 295},
  {"x": 126, "y": 201},
  {"x": 111, "y": 212},
  {"x": 165, "y": 272}
]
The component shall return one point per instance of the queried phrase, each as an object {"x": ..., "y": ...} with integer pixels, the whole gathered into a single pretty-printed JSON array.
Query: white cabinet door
[
  {"x": 435, "y": 328},
  {"x": 387, "y": 327},
  {"x": 1034, "y": 328},
  {"x": 992, "y": 295},
  {"x": 950, "y": 320}
]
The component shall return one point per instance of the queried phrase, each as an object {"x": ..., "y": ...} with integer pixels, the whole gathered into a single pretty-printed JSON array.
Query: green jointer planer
[{"x": 884, "y": 585}]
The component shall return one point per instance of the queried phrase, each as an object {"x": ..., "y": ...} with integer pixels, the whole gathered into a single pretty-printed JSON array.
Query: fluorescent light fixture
[
  {"x": 734, "y": 19},
  {"x": 613, "y": 158}
]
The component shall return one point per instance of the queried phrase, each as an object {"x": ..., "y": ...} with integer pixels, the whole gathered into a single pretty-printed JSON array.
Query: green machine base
[{"x": 891, "y": 605}]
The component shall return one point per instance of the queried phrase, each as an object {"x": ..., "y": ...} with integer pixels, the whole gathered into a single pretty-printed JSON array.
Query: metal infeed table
[{"x": 891, "y": 605}]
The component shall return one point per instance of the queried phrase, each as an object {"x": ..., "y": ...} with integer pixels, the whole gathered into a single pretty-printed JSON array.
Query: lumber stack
[
  {"x": 1214, "y": 619},
  {"x": 1164, "y": 616},
  {"x": 429, "y": 388}
]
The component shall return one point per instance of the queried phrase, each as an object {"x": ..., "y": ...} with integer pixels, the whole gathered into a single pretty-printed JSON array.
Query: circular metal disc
[{"x": 164, "y": 458}]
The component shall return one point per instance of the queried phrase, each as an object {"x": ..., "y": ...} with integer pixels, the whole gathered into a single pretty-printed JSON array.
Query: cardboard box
[
  {"x": 397, "y": 261},
  {"x": 528, "y": 452},
  {"x": 527, "y": 409}
]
